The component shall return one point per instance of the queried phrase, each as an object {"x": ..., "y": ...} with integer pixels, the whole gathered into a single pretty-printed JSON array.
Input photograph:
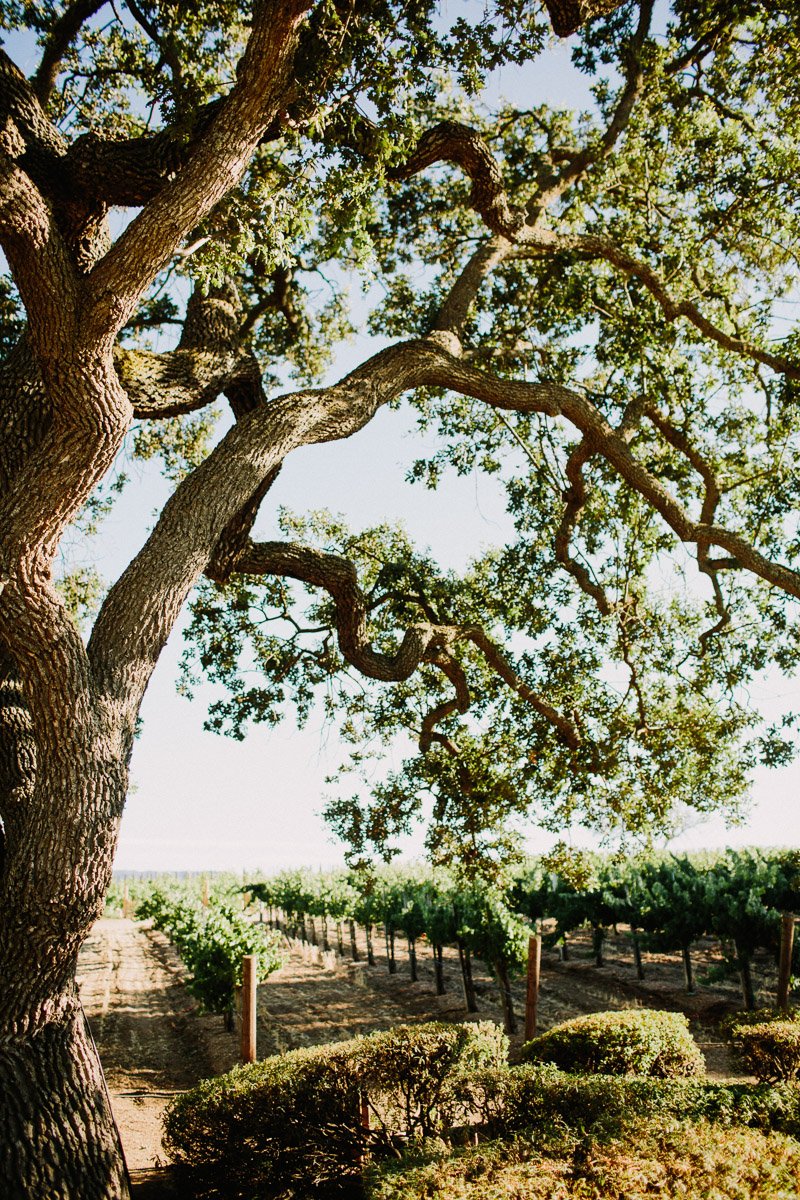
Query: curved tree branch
[
  {"x": 423, "y": 642},
  {"x": 141, "y": 608},
  {"x": 575, "y": 498},
  {"x": 62, "y": 35},
  {"x": 454, "y": 310},
  {"x": 567, "y": 16},
  {"x": 538, "y": 239},
  {"x": 452, "y": 141},
  {"x": 214, "y": 166},
  {"x": 553, "y": 400},
  {"x": 30, "y": 237},
  {"x": 180, "y": 381},
  {"x": 577, "y": 165}
]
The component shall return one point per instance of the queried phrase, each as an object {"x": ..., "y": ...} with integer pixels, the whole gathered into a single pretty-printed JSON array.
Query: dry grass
[{"x": 678, "y": 1162}]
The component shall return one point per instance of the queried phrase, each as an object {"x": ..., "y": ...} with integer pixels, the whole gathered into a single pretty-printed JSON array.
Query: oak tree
[{"x": 599, "y": 321}]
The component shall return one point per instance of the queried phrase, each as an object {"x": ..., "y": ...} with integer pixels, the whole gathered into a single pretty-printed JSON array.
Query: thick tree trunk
[
  {"x": 61, "y": 795},
  {"x": 353, "y": 943},
  {"x": 59, "y": 1140},
  {"x": 637, "y": 953}
]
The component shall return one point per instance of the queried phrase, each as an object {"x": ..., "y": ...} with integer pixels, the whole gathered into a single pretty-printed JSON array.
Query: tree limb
[
  {"x": 454, "y": 310},
  {"x": 422, "y": 642},
  {"x": 61, "y": 37},
  {"x": 594, "y": 152},
  {"x": 575, "y": 501},
  {"x": 339, "y": 578},
  {"x": 567, "y": 16},
  {"x": 179, "y": 381},
  {"x": 41, "y": 265},
  {"x": 212, "y": 169},
  {"x": 141, "y": 608},
  {"x": 452, "y": 141},
  {"x": 538, "y": 239}
]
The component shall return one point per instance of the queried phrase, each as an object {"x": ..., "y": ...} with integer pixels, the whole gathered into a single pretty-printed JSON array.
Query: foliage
[
  {"x": 632, "y": 1042},
  {"x": 211, "y": 943},
  {"x": 680, "y": 1161},
  {"x": 531, "y": 1098},
  {"x": 674, "y": 160},
  {"x": 295, "y": 1119},
  {"x": 770, "y": 1050},
  {"x": 674, "y": 899},
  {"x": 290, "y": 1119},
  {"x": 411, "y": 1075}
]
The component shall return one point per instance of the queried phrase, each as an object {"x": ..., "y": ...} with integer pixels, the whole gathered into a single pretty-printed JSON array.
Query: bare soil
[{"x": 154, "y": 1042}]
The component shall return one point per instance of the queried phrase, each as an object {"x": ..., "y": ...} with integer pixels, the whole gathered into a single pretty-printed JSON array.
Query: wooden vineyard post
[
  {"x": 534, "y": 973},
  {"x": 249, "y": 997},
  {"x": 126, "y": 902},
  {"x": 204, "y": 897},
  {"x": 363, "y": 1103},
  {"x": 785, "y": 968}
]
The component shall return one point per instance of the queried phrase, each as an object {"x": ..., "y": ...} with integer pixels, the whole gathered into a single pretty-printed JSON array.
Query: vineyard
[
  {"x": 665, "y": 903},
  {"x": 428, "y": 946}
]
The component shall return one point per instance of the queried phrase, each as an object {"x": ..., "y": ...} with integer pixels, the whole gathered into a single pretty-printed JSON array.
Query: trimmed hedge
[
  {"x": 413, "y": 1076},
  {"x": 633, "y": 1042},
  {"x": 517, "y": 1101},
  {"x": 770, "y": 1050},
  {"x": 679, "y": 1162},
  {"x": 295, "y": 1120}
]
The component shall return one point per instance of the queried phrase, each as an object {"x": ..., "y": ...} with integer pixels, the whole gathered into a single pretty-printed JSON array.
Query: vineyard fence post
[
  {"x": 249, "y": 999},
  {"x": 785, "y": 969},
  {"x": 534, "y": 974}
]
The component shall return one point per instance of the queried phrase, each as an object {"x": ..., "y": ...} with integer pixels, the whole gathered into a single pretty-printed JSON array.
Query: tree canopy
[{"x": 606, "y": 299}]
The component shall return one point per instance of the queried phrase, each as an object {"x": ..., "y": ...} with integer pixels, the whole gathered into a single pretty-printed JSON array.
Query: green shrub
[
  {"x": 294, "y": 1120},
  {"x": 690, "y": 1162},
  {"x": 771, "y": 1050},
  {"x": 291, "y": 1118},
  {"x": 516, "y": 1101},
  {"x": 413, "y": 1075},
  {"x": 757, "y": 1016},
  {"x": 634, "y": 1042},
  {"x": 531, "y": 1097}
]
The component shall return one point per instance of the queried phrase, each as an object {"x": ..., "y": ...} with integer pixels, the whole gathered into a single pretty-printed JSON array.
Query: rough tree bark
[{"x": 66, "y": 715}]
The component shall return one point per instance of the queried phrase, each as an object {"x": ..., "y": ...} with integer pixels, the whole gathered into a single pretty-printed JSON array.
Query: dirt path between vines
[
  {"x": 154, "y": 1043},
  {"x": 143, "y": 1022}
]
